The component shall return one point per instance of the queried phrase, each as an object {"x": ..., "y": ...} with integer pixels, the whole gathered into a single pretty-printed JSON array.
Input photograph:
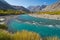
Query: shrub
[
  {"x": 4, "y": 35},
  {"x": 3, "y": 26},
  {"x": 25, "y": 35}
]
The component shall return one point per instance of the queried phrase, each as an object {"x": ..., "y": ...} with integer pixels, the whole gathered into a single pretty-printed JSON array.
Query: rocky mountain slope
[
  {"x": 53, "y": 7},
  {"x": 21, "y": 8},
  {"x": 4, "y": 5},
  {"x": 36, "y": 8}
]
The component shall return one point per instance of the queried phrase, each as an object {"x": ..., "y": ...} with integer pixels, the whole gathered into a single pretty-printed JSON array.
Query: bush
[
  {"x": 25, "y": 35},
  {"x": 3, "y": 26},
  {"x": 4, "y": 35}
]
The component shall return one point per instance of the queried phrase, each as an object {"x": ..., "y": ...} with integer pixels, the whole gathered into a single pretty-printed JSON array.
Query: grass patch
[
  {"x": 24, "y": 35},
  {"x": 11, "y": 12},
  {"x": 51, "y": 13}
]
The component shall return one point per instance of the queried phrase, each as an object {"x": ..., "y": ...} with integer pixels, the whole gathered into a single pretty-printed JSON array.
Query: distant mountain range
[
  {"x": 21, "y": 8},
  {"x": 4, "y": 5},
  {"x": 53, "y": 7},
  {"x": 36, "y": 8}
]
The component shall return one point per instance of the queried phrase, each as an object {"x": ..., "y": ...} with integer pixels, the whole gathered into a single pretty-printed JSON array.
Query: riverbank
[
  {"x": 46, "y": 16},
  {"x": 7, "y": 18}
]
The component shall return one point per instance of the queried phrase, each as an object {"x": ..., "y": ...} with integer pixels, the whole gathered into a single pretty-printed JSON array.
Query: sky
[{"x": 27, "y": 3}]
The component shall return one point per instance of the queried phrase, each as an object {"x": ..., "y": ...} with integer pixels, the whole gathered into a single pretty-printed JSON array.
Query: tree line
[{"x": 11, "y": 12}]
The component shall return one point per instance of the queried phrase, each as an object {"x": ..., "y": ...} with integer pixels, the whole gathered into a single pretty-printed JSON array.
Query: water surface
[{"x": 45, "y": 27}]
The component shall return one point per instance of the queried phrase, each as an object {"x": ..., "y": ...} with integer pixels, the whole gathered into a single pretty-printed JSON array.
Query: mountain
[
  {"x": 4, "y": 5},
  {"x": 53, "y": 7},
  {"x": 21, "y": 8},
  {"x": 36, "y": 8}
]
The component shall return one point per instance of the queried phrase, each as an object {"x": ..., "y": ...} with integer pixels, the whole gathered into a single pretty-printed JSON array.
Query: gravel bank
[
  {"x": 47, "y": 16},
  {"x": 7, "y": 18}
]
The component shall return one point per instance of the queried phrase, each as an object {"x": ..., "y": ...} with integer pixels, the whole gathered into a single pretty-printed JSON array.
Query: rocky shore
[
  {"x": 47, "y": 16},
  {"x": 7, "y": 18}
]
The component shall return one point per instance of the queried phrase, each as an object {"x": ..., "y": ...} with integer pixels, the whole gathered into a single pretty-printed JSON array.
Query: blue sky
[{"x": 27, "y": 3}]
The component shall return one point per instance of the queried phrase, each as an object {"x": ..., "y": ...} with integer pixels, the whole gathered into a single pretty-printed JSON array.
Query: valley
[{"x": 29, "y": 20}]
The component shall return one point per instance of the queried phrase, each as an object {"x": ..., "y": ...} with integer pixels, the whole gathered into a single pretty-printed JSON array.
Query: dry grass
[{"x": 24, "y": 35}]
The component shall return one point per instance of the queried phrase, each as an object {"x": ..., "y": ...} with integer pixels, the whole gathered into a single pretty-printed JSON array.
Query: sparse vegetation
[
  {"x": 23, "y": 35},
  {"x": 11, "y": 12},
  {"x": 4, "y": 35},
  {"x": 51, "y": 13},
  {"x": 52, "y": 38},
  {"x": 17, "y": 12}
]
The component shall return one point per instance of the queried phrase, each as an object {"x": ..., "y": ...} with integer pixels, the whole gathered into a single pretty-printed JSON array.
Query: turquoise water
[
  {"x": 39, "y": 20},
  {"x": 45, "y": 27}
]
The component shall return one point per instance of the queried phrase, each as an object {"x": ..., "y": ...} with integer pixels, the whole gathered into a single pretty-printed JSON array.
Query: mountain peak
[
  {"x": 21, "y": 8},
  {"x": 36, "y": 8}
]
